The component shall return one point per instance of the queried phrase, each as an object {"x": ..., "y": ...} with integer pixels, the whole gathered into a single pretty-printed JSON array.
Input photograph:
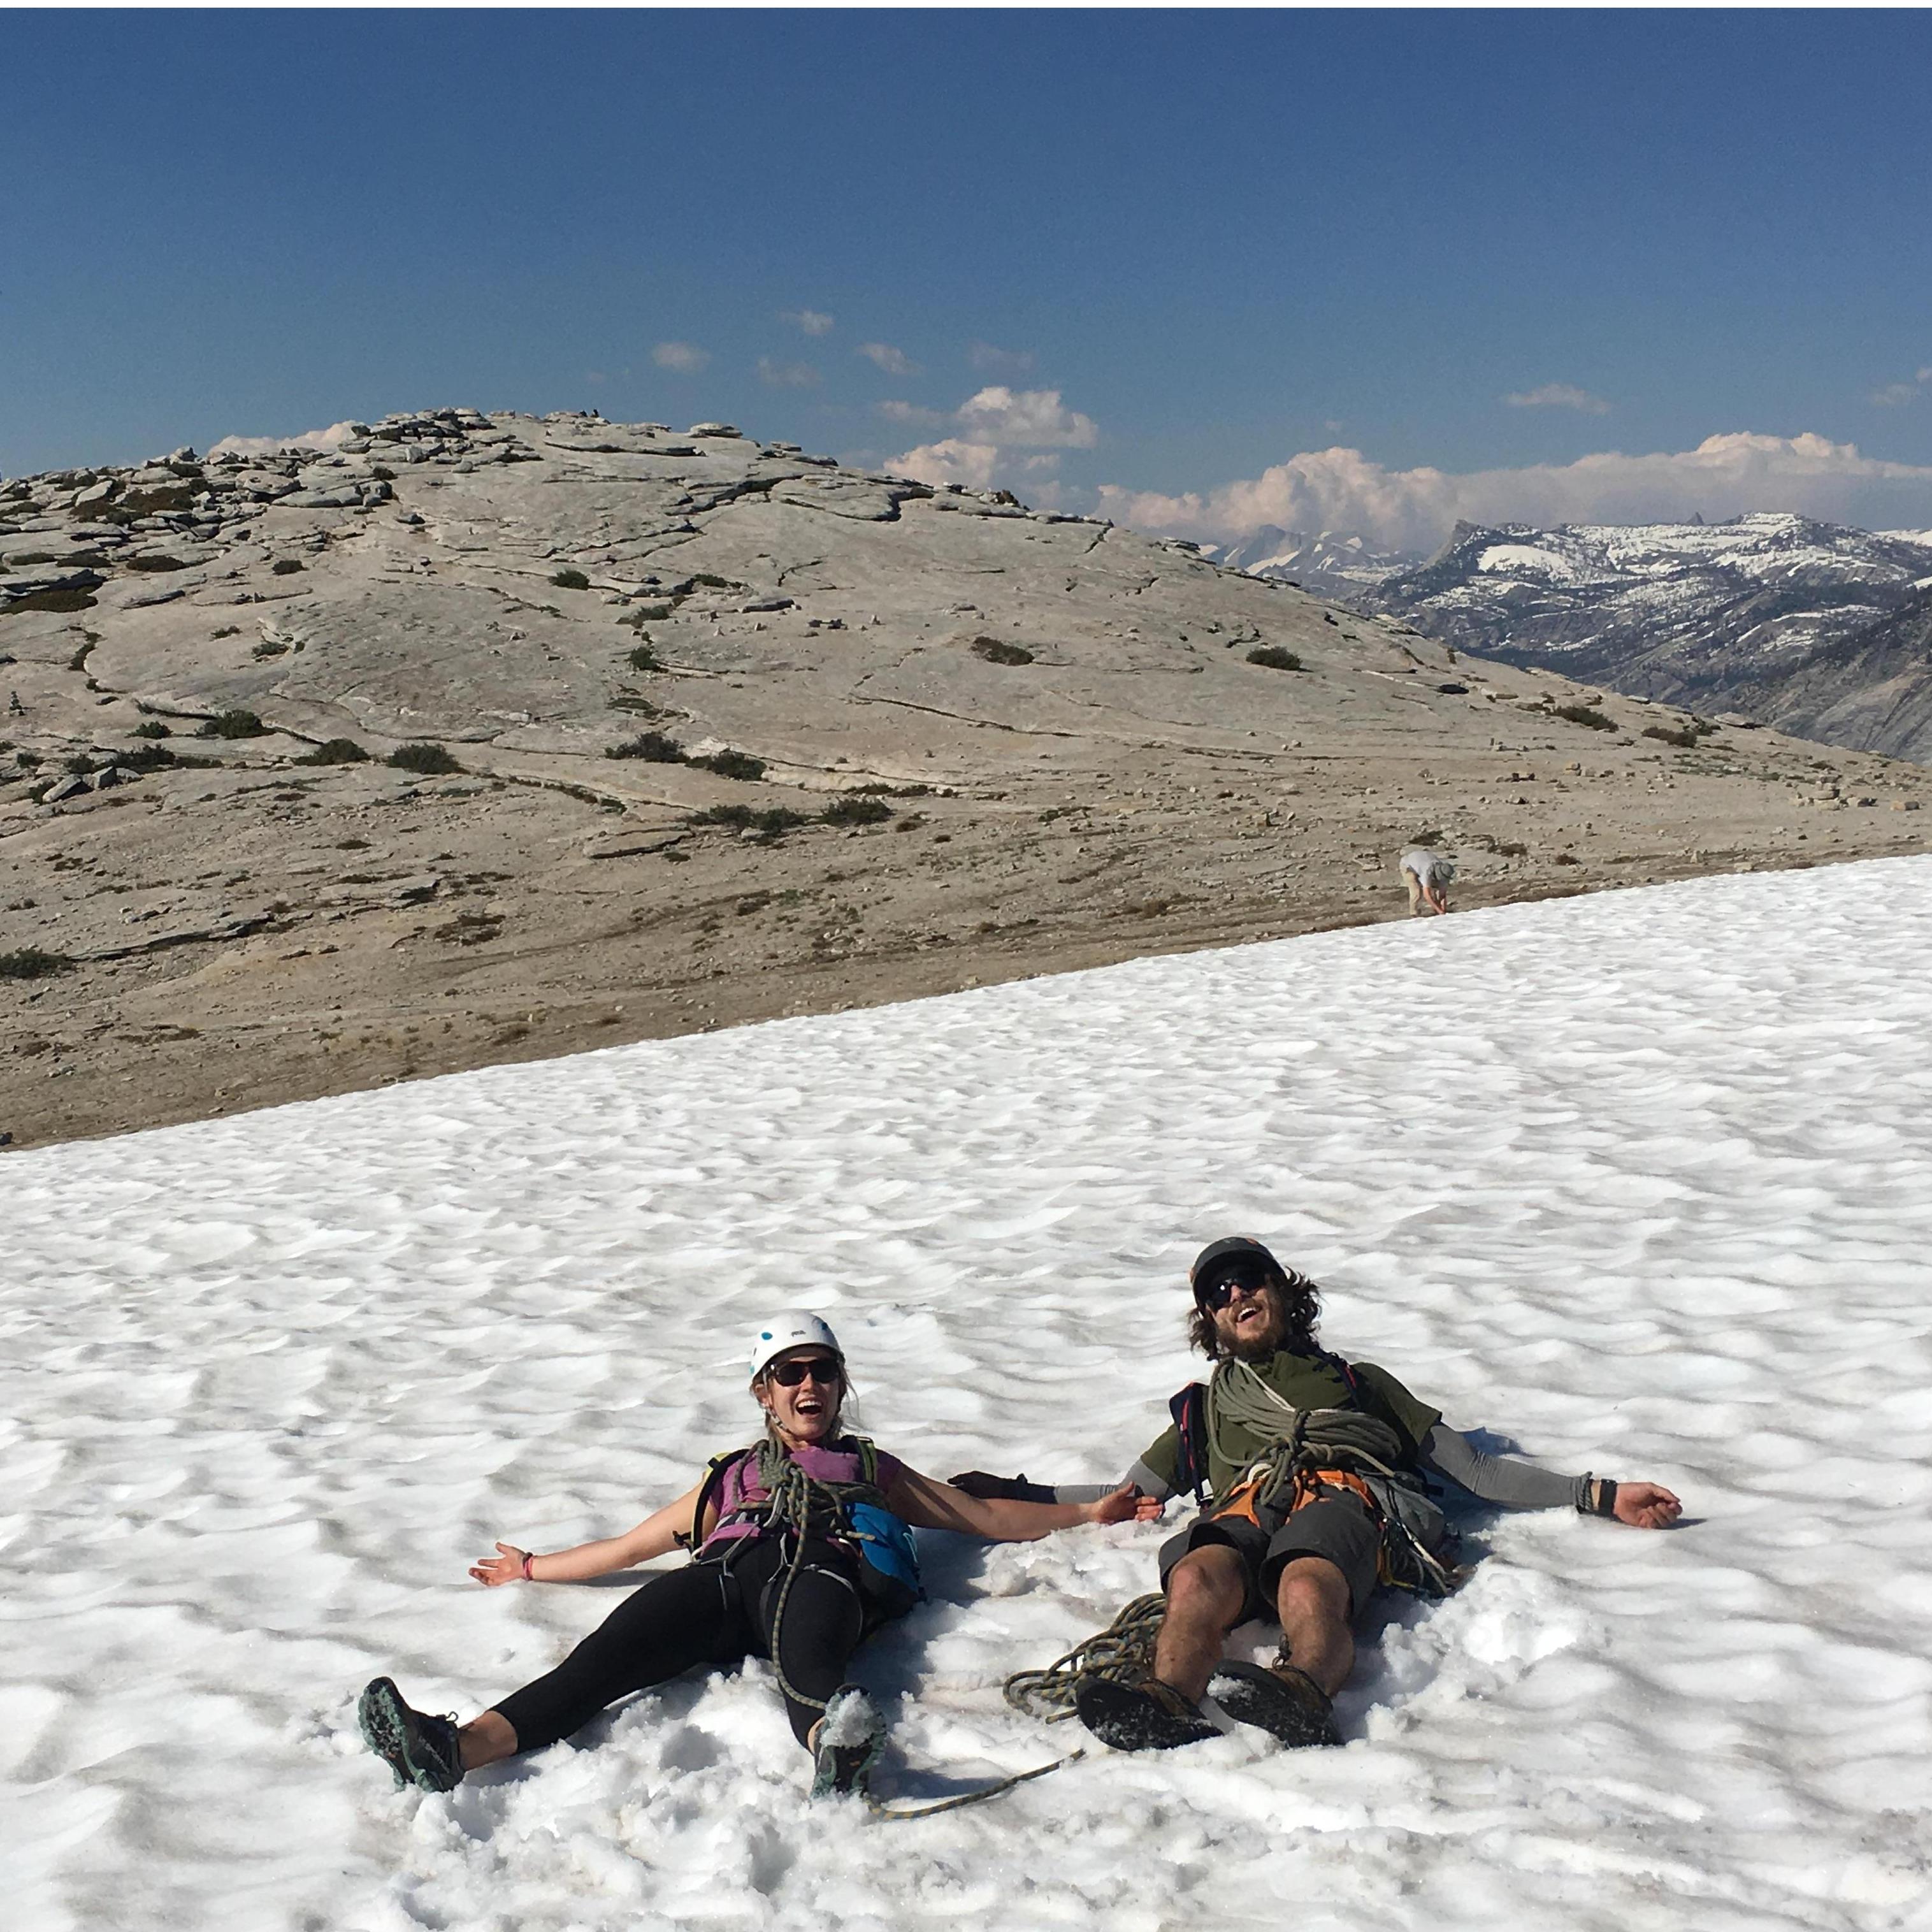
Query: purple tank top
[{"x": 740, "y": 1488}]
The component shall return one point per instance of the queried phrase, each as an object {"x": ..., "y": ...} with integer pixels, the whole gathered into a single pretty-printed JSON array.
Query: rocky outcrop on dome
[{"x": 462, "y": 736}]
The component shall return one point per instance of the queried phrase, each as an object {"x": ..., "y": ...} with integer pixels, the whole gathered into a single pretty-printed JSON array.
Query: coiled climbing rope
[{"x": 1124, "y": 1651}]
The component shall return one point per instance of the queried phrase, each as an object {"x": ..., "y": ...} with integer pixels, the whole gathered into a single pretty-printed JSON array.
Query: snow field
[{"x": 1637, "y": 1182}]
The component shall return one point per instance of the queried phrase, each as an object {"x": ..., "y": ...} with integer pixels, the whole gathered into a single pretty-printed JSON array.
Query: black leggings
[{"x": 705, "y": 1613}]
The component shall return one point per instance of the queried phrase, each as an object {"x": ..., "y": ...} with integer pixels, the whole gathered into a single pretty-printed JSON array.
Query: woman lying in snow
[{"x": 801, "y": 1549}]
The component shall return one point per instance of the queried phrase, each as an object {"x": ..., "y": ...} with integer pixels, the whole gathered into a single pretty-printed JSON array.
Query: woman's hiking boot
[
  {"x": 1144, "y": 1715},
  {"x": 1282, "y": 1700},
  {"x": 420, "y": 1749},
  {"x": 847, "y": 1745}
]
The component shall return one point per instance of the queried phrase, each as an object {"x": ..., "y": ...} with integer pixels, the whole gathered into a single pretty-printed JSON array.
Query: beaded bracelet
[{"x": 529, "y": 1574}]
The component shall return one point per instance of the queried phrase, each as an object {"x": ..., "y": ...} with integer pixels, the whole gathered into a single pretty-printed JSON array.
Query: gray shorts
[{"x": 1338, "y": 1527}]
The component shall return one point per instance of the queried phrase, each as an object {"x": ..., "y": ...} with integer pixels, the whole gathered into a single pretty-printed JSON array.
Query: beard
[{"x": 1257, "y": 1341}]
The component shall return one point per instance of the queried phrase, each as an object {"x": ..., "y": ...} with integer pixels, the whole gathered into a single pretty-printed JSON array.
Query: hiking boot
[
  {"x": 1283, "y": 1701},
  {"x": 850, "y": 1738},
  {"x": 1147, "y": 1715},
  {"x": 420, "y": 1749}
]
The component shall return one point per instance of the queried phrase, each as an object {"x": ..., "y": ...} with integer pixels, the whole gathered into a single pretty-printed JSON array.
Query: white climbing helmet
[{"x": 789, "y": 1328}]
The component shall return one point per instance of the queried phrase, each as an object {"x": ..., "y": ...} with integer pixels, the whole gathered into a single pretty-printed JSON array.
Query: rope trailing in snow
[
  {"x": 1124, "y": 1651},
  {"x": 882, "y": 1810}
]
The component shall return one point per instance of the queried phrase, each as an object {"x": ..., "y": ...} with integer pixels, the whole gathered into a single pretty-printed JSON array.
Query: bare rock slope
[{"x": 484, "y": 736}]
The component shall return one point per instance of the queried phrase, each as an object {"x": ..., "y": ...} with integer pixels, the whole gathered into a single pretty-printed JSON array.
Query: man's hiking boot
[
  {"x": 1148, "y": 1715},
  {"x": 851, "y": 1736},
  {"x": 420, "y": 1749},
  {"x": 1284, "y": 1701}
]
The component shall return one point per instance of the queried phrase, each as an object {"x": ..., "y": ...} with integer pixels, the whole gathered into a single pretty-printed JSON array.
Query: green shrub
[
  {"x": 1274, "y": 657},
  {"x": 877, "y": 791},
  {"x": 1581, "y": 714},
  {"x": 233, "y": 724},
  {"x": 1685, "y": 740},
  {"x": 335, "y": 751},
  {"x": 644, "y": 658},
  {"x": 431, "y": 760},
  {"x": 153, "y": 728},
  {"x": 710, "y": 582},
  {"x": 286, "y": 566},
  {"x": 267, "y": 649},
  {"x": 570, "y": 579},
  {"x": 772, "y": 824},
  {"x": 144, "y": 758},
  {"x": 852, "y": 810},
  {"x": 63, "y": 600},
  {"x": 652, "y": 746},
  {"x": 31, "y": 963},
  {"x": 996, "y": 650},
  {"x": 729, "y": 764},
  {"x": 647, "y": 613},
  {"x": 226, "y": 630}
]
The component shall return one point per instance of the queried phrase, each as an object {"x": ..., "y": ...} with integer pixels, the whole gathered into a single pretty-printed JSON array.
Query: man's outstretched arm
[{"x": 1512, "y": 1483}]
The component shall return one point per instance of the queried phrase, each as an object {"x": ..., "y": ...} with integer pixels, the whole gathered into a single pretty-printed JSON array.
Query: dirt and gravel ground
[{"x": 1044, "y": 744}]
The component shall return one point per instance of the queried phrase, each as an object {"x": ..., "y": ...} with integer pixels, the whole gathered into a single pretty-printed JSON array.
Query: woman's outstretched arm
[
  {"x": 652, "y": 1538},
  {"x": 930, "y": 1505}
]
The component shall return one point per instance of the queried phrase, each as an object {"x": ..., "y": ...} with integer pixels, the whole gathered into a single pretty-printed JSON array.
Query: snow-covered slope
[
  {"x": 1636, "y": 1181},
  {"x": 1719, "y": 615}
]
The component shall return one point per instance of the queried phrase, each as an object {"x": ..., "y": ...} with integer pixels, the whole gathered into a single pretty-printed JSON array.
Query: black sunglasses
[
  {"x": 823, "y": 1370},
  {"x": 1218, "y": 1293}
]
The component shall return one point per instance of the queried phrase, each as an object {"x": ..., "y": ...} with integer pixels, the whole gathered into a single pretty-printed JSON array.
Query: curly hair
[{"x": 1301, "y": 1305}]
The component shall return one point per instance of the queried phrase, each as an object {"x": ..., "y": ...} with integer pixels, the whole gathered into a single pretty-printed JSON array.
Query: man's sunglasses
[
  {"x": 823, "y": 1369},
  {"x": 1218, "y": 1293}
]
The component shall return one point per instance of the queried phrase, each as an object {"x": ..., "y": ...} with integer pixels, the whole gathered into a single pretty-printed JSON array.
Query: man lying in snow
[{"x": 1313, "y": 1469}]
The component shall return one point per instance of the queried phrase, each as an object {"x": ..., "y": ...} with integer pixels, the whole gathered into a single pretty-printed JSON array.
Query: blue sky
[{"x": 1172, "y": 255}]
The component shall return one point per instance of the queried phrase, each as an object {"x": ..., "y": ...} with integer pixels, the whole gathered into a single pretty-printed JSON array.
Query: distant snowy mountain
[
  {"x": 1772, "y": 614},
  {"x": 1328, "y": 564}
]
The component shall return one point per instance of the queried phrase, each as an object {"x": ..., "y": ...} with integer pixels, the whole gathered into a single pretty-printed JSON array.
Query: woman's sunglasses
[{"x": 822, "y": 1369}]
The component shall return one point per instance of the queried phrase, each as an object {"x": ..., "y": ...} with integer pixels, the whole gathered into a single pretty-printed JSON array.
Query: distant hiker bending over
[
  {"x": 801, "y": 1549},
  {"x": 1313, "y": 1465},
  {"x": 1428, "y": 876}
]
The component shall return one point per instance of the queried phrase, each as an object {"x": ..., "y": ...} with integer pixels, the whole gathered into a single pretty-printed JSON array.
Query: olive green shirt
[{"x": 1306, "y": 1381}]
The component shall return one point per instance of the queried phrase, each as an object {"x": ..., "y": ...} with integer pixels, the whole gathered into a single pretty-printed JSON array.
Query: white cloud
[
  {"x": 1342, "y": 489},
  {"x": 993, "y": 423},
  {"x": 983, "y": 355},
  {"x": 1559, "y": 396},
  {"x": 893, "y": 361},
  {"x": 813, "y": 321},
  {"x": 951, "y": 461},
  {"x": 1895, "y": 395},
  {"x": 1025, "y": 419},
  {"x": 331, "y": 438},
  {"x": 911, "y": 412},
  {"x": 686, "y": 357},
  {"x": 787, "y": 375}
]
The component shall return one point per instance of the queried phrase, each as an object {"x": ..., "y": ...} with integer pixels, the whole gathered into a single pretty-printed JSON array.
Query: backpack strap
[
  {"x": 707, "y": 1494},
  {"x": 1189, "y": 1408}
]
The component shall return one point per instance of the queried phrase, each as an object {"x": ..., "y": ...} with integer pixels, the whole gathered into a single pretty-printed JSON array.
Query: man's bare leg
[
  {"x": 1313, "y": 1602},
  {"x": 1205, "y": 1592}
]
